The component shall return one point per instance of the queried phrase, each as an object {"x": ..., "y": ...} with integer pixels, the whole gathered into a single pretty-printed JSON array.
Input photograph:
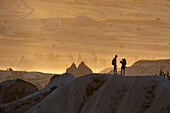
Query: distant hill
[
  {"x": 145, "y": 67},
  {"x": 107, "y": 70},
  {"x": 149, "y": 67},
  {"x": 37, "y": 78}
]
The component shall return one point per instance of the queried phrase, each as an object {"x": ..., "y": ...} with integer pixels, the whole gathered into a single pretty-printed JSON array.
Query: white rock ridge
[{"x": 109, "y": 94}]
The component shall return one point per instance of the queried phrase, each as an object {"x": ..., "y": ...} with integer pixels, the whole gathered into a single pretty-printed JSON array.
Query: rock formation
[
  {"x": 81, "y": 70},
  {"x": 25, "y": 103},
  {"x": 109, "y": 94},
  {"x": 58, "y": 80},
  {"x": 12, "y": 90},
  {"x": 72, "y": 70}
]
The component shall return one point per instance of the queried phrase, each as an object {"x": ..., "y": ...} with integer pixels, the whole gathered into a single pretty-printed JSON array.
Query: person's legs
[
  {"x": 123, "y": 72},
  {"x": 115, "y": 70}
]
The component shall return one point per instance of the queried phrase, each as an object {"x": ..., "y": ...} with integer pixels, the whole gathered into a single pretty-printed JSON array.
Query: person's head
[{"x": 116, "y": 56}]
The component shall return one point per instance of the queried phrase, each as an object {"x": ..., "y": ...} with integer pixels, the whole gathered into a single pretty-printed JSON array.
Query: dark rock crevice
[
  {"x": 149, "y": 97},
  {"x": 91, "y": 88},
  {"x": 117, "y": 98}
]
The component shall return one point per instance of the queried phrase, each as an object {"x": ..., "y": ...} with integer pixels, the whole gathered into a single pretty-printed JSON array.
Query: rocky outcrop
[
  {"x": 109, "y": 94},
  {"x": 74, "y": 95},
  {"x": 25, "y": 103},
  {"x": 58, "y": 80},
  {"x": 81, "y": 70},
  {"x": 12, "y": 90}
]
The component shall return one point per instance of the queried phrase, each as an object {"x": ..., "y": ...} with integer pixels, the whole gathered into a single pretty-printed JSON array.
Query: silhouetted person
[
  {"x": 114, "y": 63},
  {"x": 123, "y": 62}
]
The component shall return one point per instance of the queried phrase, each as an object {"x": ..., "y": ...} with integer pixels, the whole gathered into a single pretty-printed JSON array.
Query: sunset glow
[{"x": 49, "y": 35}]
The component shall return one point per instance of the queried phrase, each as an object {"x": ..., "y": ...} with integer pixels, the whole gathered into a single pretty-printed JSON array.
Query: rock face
[
  {"x": 25, "y": 103},
  {"x": 82, "y": 69},
  {"x": 109, "y": 94},
  {"x": 58, "y": 80},
  {"x": 12, "y": 90}
]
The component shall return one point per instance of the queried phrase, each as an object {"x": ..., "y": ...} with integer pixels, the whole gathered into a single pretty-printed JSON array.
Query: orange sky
[{"x": 49, "y": 35}]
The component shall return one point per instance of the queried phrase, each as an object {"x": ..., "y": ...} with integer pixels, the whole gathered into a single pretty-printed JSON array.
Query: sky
[{"x": 49, "y": 35}]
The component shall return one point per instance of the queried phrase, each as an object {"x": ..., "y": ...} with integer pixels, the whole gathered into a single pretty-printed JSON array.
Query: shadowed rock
[
  {"x": 25, "y": 103},
  {"x": 12, "y": 90}
]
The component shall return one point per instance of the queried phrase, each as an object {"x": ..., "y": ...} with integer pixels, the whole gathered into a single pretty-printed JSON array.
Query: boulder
[{"x": 12, "y": 90}]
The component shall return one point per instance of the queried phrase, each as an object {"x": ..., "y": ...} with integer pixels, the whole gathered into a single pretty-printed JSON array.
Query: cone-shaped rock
[
  {"x": 83, "y": 69},
  {"x": 72, "y": 70}
]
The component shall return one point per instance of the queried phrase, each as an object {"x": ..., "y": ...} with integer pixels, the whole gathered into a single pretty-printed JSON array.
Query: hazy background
[{"x": 48, "y": 35}]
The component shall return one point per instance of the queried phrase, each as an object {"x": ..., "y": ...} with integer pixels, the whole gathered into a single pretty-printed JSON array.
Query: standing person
[
  {"x": 123, "y": 62},
  {"x": 114, "y": 63}
]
